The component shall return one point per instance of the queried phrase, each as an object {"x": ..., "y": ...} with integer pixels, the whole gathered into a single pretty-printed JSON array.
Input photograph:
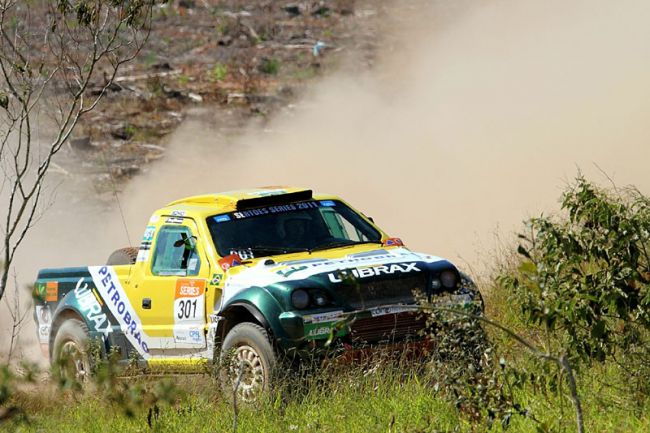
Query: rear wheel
[
  {"x": 70, "y": 355},
  {"x": 247, "y": 362}
]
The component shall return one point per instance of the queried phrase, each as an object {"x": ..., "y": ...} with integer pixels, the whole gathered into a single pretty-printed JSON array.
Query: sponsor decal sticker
[
  {"x": 44, "y": 319},
  {"x": 51, "y": 291},
  {"x": 320, "y": 325},
  {"x": 143, "y": 255},
  {"x": 39, "y": 291},
  {"x": 216, "y": 279},
  {"x": 337, "y": 277},
  {"x": 329, "y": 316},
  {"x": 148, "y": 234},
  {"x": 174, "y": 220},
  {"x": 286, "y": 273},
  {"x": 178, "y": 213},
  {"x": 322, "y": 330},
  {"x": 393, "y": 242},
  {"x": 383, "y": 311},
  {"x": 189, "y": 309},
  {"x": 90, "y": 307},
  {"x": 230, "y": 261},
  {"x": 145, "y": 245},
  {"x": 109, "y": 287},
  {"x": 222, "y": 218},
  {"x": 318, "y": 331}
]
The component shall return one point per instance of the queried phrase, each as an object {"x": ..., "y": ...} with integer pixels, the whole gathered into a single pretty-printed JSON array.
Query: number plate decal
[{"x": 189, "y": 309}]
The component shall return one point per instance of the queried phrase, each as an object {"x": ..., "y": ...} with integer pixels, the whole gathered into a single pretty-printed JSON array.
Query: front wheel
[
  {"x": 70, "y": 357},
  {"x": 247, "y": 362}
]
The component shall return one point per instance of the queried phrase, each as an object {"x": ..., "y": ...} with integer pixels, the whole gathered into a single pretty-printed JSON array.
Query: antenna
[{"x": 117, "y": 199}]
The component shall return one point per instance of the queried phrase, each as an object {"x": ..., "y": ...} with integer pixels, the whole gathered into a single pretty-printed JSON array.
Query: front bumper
[{"x": 373, "y": 327}]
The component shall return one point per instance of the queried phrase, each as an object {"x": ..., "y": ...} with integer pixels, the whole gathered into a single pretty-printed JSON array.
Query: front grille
[
  {"x": 388, "y": 328},
  {"x": 382, "y": 292}
]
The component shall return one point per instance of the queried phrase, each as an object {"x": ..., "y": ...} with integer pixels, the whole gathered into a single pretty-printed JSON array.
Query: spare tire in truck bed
[{"x": 123, "y": 256}]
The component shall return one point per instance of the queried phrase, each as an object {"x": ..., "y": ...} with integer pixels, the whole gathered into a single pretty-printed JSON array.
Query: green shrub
[
  {"x": 269, "y": 66},
  {"x": 584, "y": 278}
]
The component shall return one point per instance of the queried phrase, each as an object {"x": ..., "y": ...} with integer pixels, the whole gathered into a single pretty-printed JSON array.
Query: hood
[{"x": 389, "y": 262}]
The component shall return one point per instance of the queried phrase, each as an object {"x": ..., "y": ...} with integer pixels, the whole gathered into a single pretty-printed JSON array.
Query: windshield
[{"x": 280, "y": 229}]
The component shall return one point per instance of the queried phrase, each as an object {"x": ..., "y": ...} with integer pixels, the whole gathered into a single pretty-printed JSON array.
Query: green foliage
[
  {"x": 375, "y": 397},
  {"x": 10, "y": 411},
  {"x": 269, "y": 66},
  {"x": 218, "y": 72},
  {"x": 586, "y": 278},
  {"x": 4, "y": 100},
  {"x": 110, "y": 383},
  {"x": 465, "y": 367},
  {"x": 87, "y": 12}
]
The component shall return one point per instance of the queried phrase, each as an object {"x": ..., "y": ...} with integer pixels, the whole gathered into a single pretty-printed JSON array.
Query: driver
[{"x": 294, "y": 229}]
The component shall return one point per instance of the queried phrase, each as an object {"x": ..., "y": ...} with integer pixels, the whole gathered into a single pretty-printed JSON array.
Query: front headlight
[
  {"x": 449, "y": 279},
  {"x": 300, "y": 299},
  {"x": 320, "y": 299}
]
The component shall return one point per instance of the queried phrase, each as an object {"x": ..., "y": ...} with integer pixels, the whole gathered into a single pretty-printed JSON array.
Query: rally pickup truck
[{"x": 260, "y": 275}]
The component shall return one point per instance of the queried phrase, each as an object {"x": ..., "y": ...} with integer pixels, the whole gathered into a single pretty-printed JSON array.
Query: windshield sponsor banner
[
  {"x": 274, "y": 210},
  {"x": 189, "y": 312},
  {"x": 108, "y": 284}
]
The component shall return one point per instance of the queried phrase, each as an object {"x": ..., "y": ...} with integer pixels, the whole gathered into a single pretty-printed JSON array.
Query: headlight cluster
[
  {"x": 447, "y": 279},
  {"x": 301, "y": 298}
]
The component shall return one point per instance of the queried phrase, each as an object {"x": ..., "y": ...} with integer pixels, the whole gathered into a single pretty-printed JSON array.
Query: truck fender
[
  {"x": 252, "y": 303},
  {"x": 69, "y": 307}
]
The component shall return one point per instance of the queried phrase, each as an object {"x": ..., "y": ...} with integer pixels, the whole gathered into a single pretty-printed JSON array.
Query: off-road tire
[
  {"x": 123, "y": 256},
  {"x": 248, "y": 345},
  {"x": 70, "y": 357}
]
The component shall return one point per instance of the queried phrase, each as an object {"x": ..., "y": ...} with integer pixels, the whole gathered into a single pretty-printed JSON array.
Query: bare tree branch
[{"x": 54, "y": 49}]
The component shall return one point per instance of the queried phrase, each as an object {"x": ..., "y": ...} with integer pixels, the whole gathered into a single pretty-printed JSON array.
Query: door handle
[{"x": 146, "y": 303}]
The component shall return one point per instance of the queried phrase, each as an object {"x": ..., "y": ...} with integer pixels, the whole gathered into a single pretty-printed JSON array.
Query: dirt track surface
[{"x": 245, "y": 58}]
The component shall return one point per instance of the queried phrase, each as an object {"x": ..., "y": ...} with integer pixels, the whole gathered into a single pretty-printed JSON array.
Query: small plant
[
  {"x": 269, "y": 66},
  {"x": 183, "y": 79},
  {"x": 218, "y": 72}
]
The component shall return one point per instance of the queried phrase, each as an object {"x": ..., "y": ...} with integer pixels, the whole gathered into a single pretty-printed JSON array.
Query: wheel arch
[
  {"x": 239, "y": 312},
  {"x": 62, "y": 315}
]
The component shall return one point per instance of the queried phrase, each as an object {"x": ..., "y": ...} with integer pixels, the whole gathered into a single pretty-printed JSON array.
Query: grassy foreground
[{"x": 354, "y": 400}]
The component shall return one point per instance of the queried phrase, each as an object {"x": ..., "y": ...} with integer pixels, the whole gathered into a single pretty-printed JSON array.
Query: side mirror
[{"x": 188, "y": 241}]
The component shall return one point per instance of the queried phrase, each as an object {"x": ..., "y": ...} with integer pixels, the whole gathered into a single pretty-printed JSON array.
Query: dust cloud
[{"x": 474, "y": 117}]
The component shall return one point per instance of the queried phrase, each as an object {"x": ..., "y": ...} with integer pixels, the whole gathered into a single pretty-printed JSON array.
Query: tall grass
[{"x": 376, "y": 397}]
